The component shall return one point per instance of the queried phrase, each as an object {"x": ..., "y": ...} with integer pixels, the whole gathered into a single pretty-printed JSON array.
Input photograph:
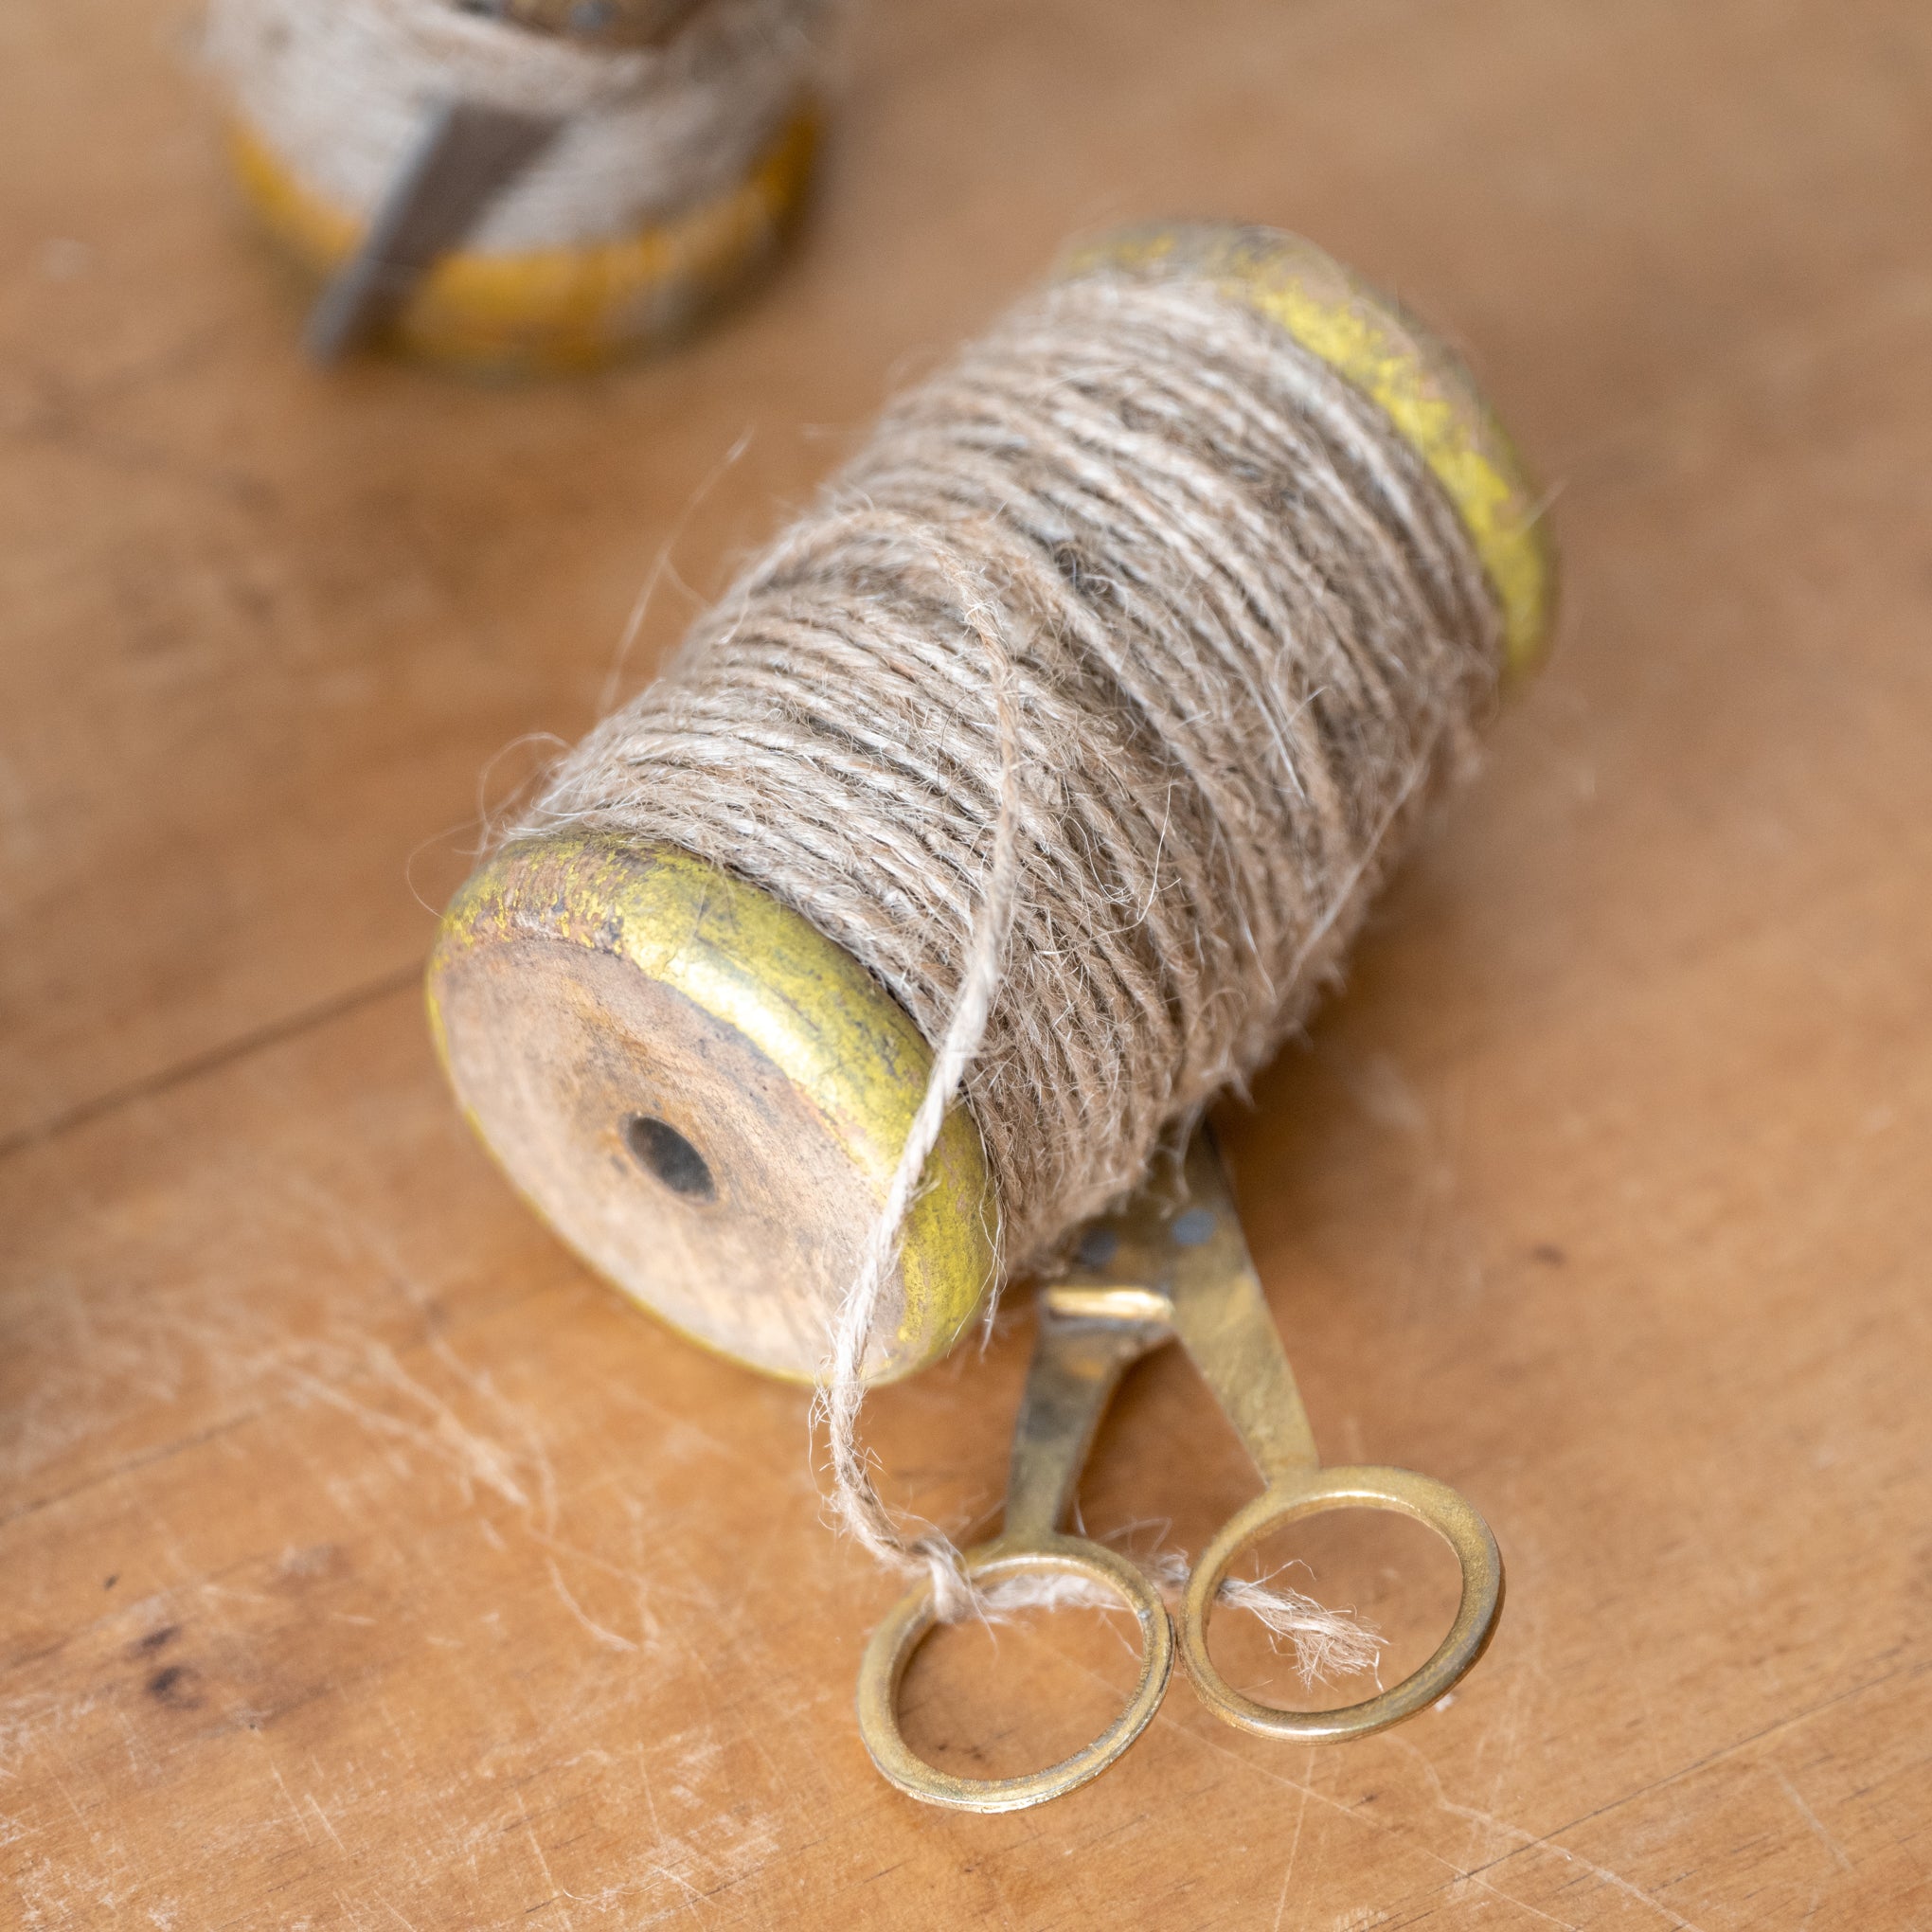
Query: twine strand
[
  {"x": 1326, "y": 1644},
  {"x": 855, "y": 1500}
]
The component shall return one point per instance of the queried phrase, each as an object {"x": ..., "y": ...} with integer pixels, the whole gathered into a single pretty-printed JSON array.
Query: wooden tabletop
[{"x": 369, "y": 1564}]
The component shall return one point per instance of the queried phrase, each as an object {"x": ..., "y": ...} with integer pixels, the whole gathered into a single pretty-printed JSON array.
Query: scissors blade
[
  {"x": 466, "y": 155},
  {"x": 1082, "y": 1352},
  {"x": 1178, "y": 1245}
]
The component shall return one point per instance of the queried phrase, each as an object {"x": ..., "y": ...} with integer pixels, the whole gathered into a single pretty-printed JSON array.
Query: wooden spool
[
  {"x": 704, "y": 1095},
  {"x": 550, "y": 310}
]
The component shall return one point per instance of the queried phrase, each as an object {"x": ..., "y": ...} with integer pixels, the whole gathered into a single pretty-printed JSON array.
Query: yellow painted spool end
[
  {"x": 705, "y": 1097},
  {"x": 547, "y": 312},
  {"x": 1368, "y": 339}
]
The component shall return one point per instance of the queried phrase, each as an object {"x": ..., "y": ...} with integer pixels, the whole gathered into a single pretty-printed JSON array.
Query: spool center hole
[{"x": 664, "y": 1154}]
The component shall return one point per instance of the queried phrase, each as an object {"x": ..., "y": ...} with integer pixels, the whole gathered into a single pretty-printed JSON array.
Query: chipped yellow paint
[
  {"x": 547, "y": 310},
  {"x": 806, "y": 1004},
  {"x": 1416, "y": 382}
]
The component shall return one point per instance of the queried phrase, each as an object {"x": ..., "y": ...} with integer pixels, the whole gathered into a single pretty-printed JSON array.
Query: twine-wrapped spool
[
  {"x": 1180, "y": 594},
  {"x": 684, "y": 150}
]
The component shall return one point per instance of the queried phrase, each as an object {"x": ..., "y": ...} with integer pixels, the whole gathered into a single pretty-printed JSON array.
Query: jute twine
[
  {"x": 1087, "y": 708},
  {"x": 341, "y": 89}
]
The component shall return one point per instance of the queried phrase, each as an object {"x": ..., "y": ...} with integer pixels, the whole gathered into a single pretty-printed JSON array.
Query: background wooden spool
[
  {"x": 551, "y": 311},
  {"x": 708, "y": 1099}
]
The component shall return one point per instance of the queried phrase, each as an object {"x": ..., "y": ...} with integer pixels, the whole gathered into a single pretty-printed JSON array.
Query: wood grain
[{"x": 369, "y": 1564}]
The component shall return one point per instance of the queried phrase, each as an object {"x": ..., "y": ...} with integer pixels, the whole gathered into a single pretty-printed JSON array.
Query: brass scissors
[{"x": 1172, "y": 1262}]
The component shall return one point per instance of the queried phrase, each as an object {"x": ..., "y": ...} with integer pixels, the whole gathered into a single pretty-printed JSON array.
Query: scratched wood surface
[{"x": 367, "y": 1563}]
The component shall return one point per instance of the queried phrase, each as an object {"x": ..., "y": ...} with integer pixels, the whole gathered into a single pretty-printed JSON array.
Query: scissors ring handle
[
  {"x": 1289, "y": 1500},
  {"x": 913, "y": 1617}
]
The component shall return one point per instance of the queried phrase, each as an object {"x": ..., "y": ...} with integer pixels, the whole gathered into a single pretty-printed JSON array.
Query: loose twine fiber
[
  {"x": 342, "y": 87},
  {"x": 1087, "y": 708}
]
